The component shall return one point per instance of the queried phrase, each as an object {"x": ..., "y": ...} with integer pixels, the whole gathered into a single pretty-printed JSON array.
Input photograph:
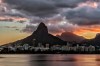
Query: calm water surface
[{"x": 49, "y": 60}]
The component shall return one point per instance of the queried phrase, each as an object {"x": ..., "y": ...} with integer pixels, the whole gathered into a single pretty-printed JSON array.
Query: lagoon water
[{"x": 49, "y": 60}]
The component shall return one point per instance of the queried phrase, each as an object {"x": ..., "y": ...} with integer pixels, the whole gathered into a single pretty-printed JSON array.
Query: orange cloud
[{"x": 88, "y": 31}]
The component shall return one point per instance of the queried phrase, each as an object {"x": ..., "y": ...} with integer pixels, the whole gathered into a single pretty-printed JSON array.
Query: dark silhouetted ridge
[
  {"x": 95, "y": 41},
  {"x": 68, "y": 36},
  {"x": 97, "y": 36},
  {"x": 42, "y": 36}
]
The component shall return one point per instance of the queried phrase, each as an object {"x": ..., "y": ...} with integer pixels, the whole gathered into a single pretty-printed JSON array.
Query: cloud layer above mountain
[
  {"x": 59, "y": 15},
  {"x": 43, "y": 8}
]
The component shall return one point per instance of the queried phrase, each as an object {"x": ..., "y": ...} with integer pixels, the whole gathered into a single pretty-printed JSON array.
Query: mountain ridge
[
  {"x": 68, "y": 36},
  {"x": 41, "y": 35}
]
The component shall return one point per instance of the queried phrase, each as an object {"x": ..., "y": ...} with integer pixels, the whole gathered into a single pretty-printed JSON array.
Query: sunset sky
[{"x": 19, "y": 18}]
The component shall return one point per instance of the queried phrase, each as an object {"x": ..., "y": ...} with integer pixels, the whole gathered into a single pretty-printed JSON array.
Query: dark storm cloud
[
  {"x": 39, "y": 9},
  {"x": 68, "y": 3},
  {"x": 35, "y": 7},
  {"x": 42, "y": 8},
  {"x": 83, "y": 15},
  {"x": 29, "y": 29}
]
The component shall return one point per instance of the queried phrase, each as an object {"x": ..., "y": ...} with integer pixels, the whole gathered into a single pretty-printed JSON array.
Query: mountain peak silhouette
[
  {"x": 42, "y": 30},
  {"x": 69, "y": 36},
  {"x": 42, "y": 25},
  {"x": 97, "y": 36},
  {"x": 42, "y": 36}
]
